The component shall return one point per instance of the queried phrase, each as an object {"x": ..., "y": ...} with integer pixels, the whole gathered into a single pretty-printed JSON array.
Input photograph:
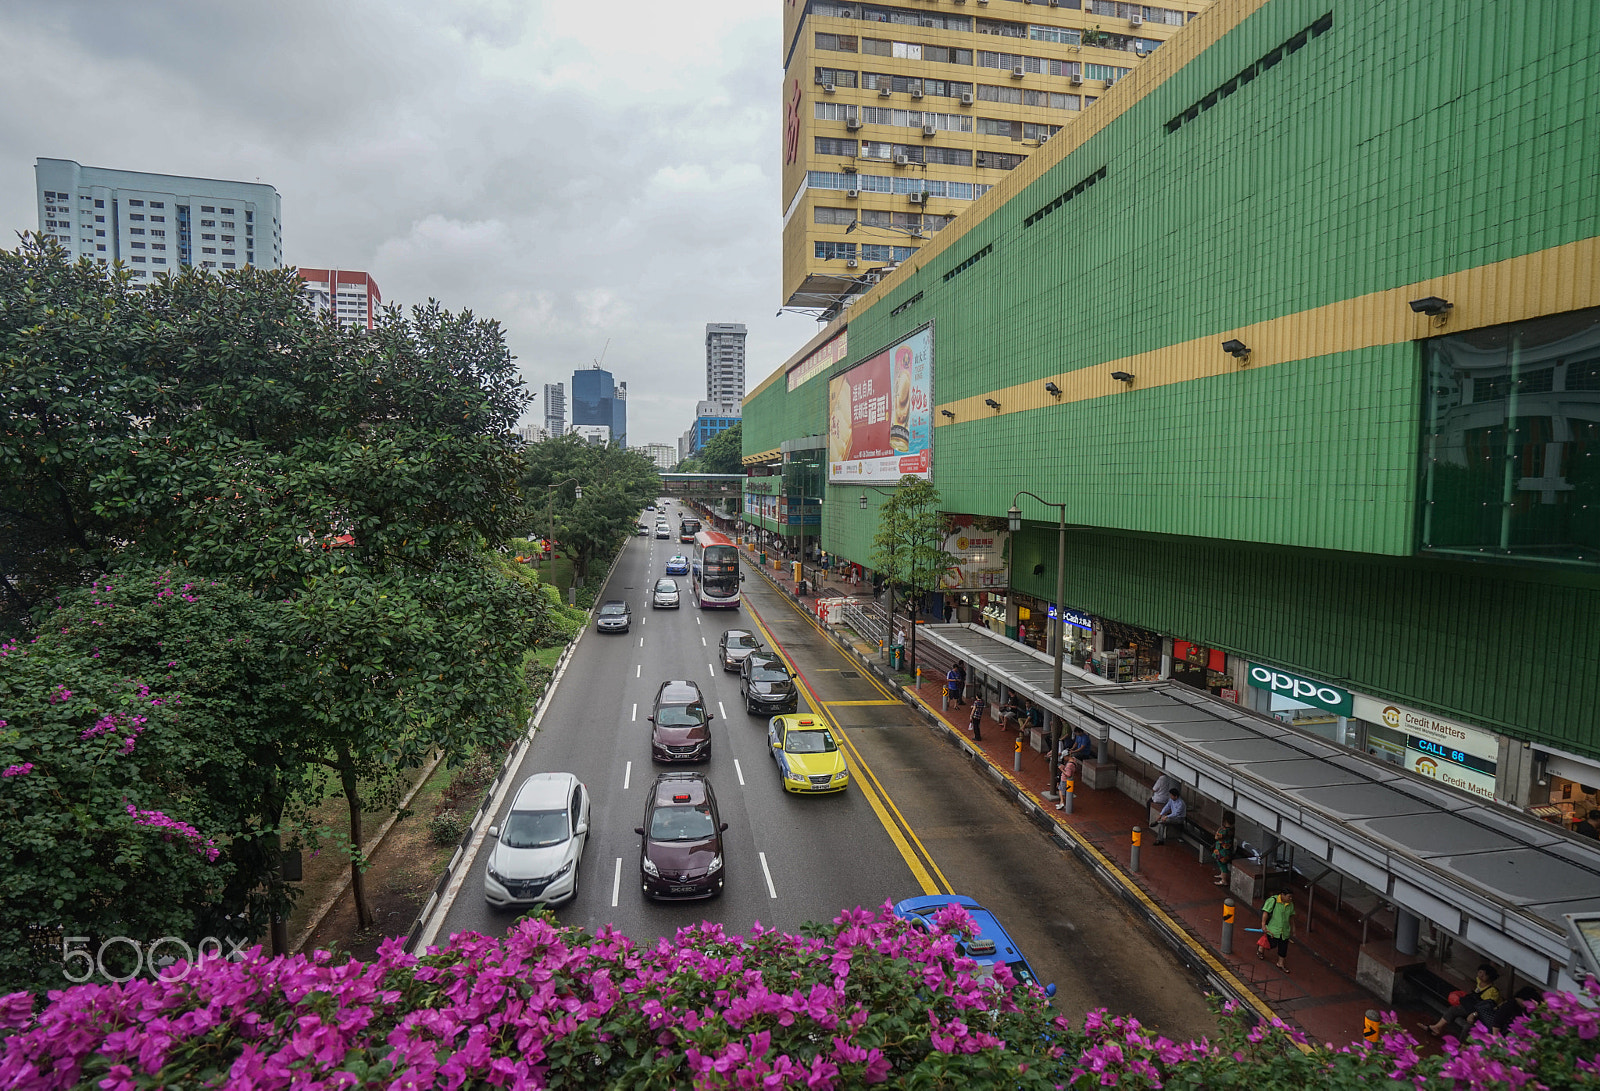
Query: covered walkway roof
[{"x": 1498, "y": 879}]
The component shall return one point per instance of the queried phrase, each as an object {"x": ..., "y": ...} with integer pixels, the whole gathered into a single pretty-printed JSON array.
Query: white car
[
  {"x": 537, "y": 852},
  {"x": 665, "y": 594}
]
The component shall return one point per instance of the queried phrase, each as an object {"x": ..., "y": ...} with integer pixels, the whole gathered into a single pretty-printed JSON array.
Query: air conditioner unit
[
  {"x": 885, "y": 91},
  {"x": 1017, "y": 73},
  {"x": 851, "y": 264},
  {"x": 902, "y": 160},
  {"x": 827, "y": 89},
  {"x": 852, "y": 193},
  {"x": 917, "y": 198},
  {"x": 966, "y": 98},
  {"x": 916, "y": 92},
  {"x": 1077, "y": 80},
  {"x": 929, "y": 130},
  {"x": 1136, "y": 20},
  {"x": 852, "y": 123}
]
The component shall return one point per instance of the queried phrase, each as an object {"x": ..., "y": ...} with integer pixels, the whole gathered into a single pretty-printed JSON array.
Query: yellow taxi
[{"x": 807, "y": 754}]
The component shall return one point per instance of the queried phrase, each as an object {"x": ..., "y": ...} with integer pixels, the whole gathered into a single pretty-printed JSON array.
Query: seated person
[
  {"x": 1010, "y": 713},
  {"x": 1171, "y": 815},
  {"x": 1479, "y": 1002}
]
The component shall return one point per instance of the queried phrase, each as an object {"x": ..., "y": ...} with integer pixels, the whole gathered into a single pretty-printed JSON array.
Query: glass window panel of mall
[{"x": 1511, "y": 445}]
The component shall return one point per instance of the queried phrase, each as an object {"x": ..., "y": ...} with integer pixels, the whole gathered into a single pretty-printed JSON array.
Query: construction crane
[{"x": 602, "y": 354}]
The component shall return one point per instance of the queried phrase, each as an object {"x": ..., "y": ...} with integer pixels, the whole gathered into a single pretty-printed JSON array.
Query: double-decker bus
[
  {"x": 715, "y": 566},
  {"x": 688, "y": 527}
]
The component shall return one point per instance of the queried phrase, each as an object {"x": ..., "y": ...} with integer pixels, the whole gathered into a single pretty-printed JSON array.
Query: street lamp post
[
  {"x": 1014, "y": 521},
  {"x": 550, "y": 574}
]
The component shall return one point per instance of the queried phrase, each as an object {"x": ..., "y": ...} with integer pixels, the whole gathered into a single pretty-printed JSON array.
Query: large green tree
[
  {"x": 908, "y": 548},
  {"x": 349, "y": 480},
  {"x": 724, "y": 454},
  {"x": 617, "y": 483}
]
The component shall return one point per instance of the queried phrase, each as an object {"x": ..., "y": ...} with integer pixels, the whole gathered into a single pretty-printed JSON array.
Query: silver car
[
  {"x": 613, "y": 617},
  {"x": 537, "y": 852},
  {"x": 666, "y": 594}
]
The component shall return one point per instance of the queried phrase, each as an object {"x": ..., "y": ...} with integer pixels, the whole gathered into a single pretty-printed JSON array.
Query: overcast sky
[{"x": 579, "y": 171}]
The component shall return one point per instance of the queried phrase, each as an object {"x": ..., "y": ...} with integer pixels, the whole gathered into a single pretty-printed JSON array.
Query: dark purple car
[{"x": 680, "y": 855}]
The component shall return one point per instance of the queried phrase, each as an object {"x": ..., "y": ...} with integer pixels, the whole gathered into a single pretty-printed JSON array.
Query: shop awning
[{"x": 1498, "y": 879}]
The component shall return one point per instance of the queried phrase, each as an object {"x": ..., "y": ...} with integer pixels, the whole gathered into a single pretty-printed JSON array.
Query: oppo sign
[{"x": 1304, "y": 690}]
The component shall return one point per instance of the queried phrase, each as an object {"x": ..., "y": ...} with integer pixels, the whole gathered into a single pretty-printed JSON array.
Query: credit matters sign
[{"x": 1305, "y": 690}]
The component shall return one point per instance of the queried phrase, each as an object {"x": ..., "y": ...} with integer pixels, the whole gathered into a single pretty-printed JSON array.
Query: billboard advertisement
[
  {"x": 880, "y": 415},
  {"x": 982, "y": 559}
]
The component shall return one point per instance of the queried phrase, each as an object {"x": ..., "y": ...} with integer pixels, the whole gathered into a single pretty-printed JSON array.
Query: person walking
[
  {"x": 1224, "y": 843},
  {"x": 975, "y": 724},
  {"x": 952, "y": 685},
  {"x": 1277, "y": 926}
]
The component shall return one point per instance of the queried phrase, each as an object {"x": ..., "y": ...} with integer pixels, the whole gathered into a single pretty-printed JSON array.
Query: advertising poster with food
[{"x": 880, "y": 416}]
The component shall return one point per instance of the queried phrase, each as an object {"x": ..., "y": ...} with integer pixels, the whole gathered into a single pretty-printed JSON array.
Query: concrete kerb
[
  {"x": 1189, "y": 950},
  {"x": 425, "y": 927}
]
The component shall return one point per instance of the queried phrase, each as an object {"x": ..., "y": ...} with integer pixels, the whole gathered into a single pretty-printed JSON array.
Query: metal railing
[{"x": 868, "y": 621}]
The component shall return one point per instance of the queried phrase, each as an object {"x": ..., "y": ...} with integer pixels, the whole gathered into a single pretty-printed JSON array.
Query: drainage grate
[{"x": 849, "y": 674}]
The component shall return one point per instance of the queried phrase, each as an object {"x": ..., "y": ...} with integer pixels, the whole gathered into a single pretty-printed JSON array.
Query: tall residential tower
[
  {"x": 898, "y": 116},
  {"x": 724, "y": 361},
  {"x": 555, "y": 409},
  {"x": 157, "y": 223}
]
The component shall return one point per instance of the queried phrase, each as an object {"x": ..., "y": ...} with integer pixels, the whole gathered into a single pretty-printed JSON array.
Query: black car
[
  {"x": 735, "y": 646},
  {"x": 680, "y": 854},
  {"x": 766, "y": 686},
  {"x": 679, "y": 724}
]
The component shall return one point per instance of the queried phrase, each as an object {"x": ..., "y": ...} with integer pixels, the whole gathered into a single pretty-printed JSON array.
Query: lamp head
[
  {"x": 577, "y": 492},
  {"x": 1431, "y": 305},
  {"x": 1053, "y": 390},
  {"x": 947, "y": 413},
  {"x": 863, "y": 501},
  {"x": 1236, "y": 348},
  {"x": 1014, "y": 518},
  {"x": 851, "y": 226},
  {"x": 991, "y": 403},
  {"x": 1123, "y": 376}
]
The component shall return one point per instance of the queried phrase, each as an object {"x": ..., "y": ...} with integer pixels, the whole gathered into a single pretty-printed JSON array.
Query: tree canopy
[
  {"x": 866, "y": 1000},
  {"x": 204, "y": 460},
  {"x": 617, "y": 483},
  {"x": 908, "y": 547},
  {"x": 724, "y": 452}
]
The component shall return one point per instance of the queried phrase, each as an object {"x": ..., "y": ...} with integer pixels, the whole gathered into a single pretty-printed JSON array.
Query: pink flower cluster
[
  {"x": 20, "y": 770},
  {"x": 867, "y": 1001},
  {"x": 205, "y": 846}
]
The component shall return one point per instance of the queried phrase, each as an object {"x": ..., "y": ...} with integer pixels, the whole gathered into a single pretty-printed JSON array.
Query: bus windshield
[{"x": 719, "y": 571}]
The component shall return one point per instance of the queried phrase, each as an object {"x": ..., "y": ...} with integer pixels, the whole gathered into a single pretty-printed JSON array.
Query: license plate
[{"x": 683, "y": 890}]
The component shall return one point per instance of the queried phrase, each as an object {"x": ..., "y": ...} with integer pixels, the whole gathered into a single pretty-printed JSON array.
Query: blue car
[
  {"x": 678, "y": 566},
  {"x": 991, "y": 945}
]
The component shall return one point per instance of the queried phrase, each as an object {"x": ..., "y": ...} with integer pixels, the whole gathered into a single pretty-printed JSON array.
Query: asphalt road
[{"x": 917, "y": 818}]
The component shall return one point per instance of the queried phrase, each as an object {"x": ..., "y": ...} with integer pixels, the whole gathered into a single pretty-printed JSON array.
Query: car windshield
[
  {"x": 614, "y": 608},
  {"x": 768, "y": 673},
  {"x": 534, "y": 829},
  {"x": 742, "y": 640},
  {"x": 667, "y": 585},
  {"x": 680, "y": 715},
  {"x": 682, "y": 824},
  {"x": 809, "y": 742}
]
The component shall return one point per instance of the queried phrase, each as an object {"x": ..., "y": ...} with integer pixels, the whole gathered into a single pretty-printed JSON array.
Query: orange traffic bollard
[
  {"x": 1371, "y": 1027},
  {"x": 1133, "y": 855},
  {"x": 1227, "y": 926}
]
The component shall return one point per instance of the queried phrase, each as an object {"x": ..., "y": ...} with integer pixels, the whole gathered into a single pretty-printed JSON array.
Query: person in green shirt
[{"x": 1277, "y": 925}]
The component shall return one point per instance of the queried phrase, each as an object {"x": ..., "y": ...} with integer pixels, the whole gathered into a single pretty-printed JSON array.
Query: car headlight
[
  {"x": 564, "y": 869},
  {"x": 650, "y": 868},
  {"x": 495, "y": 875},
  {"x": 716, "y": 864},
  {"x": 799, "y": 778},
  {"x": 841, "y": 776}
]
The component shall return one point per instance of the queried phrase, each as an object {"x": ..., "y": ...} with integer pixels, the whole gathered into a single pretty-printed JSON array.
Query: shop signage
[
  {"x": 1307, "y": 692},
  {"x": 1442, "y": 737},
  {"x": 820, "y": 360},
  {"x": 1447, "y": 772},
  {"x": 1075, "y": 618},
  {"x": 980, "y": 558}
]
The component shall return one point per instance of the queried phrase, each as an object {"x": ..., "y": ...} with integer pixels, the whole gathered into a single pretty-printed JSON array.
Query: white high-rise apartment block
[
  {"x": 158, "y": 223},
  {"x": 664, "y": 455},
  {"x": 555, "y": 408},
  {"x": 725, "y": 362}
]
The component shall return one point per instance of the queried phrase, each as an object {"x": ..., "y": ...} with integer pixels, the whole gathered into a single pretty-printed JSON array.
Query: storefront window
[{"x": 1511, "y": 455}]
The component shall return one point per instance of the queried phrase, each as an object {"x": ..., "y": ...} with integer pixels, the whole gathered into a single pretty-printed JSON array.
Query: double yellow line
[{"x": 911, "y": 849}]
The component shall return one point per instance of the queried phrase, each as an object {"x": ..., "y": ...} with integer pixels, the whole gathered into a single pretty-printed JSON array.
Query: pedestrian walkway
[{"x": 1319, "y": 995}]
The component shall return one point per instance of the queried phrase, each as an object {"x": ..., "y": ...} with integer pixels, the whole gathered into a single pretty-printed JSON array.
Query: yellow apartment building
[{"x": 898, "y": 116}]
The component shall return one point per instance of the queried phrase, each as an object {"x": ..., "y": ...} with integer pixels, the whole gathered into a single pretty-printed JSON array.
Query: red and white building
[{"x": 349, "y": 293}]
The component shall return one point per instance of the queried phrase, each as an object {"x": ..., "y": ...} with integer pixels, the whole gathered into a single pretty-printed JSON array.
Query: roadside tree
[
  {"x": 617, "y": 483},
  {"x": 908, "y": 547}
]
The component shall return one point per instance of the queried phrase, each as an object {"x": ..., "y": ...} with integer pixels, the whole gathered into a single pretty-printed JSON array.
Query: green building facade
[{"x": 1391, "y": 483}]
